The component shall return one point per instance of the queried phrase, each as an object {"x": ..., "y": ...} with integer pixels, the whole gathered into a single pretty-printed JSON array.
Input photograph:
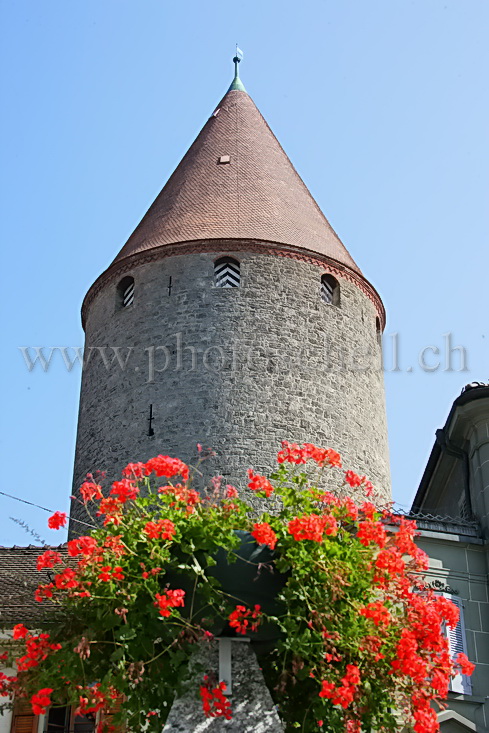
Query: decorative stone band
[{"x": 223, "y": 246}]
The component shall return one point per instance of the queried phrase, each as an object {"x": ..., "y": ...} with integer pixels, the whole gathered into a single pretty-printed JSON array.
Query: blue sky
[{"x": 381, "y": 106}]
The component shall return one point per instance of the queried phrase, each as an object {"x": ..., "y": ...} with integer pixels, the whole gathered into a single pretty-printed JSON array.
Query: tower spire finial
[{"x": 237, "y": 84}]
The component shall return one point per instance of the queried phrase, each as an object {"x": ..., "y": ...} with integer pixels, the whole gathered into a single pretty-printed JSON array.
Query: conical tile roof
[{"x": 236, "y": 182}]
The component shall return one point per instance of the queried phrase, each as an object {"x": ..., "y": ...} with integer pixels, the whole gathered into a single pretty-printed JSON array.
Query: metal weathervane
[
  {"x": 237, "y": 84},
  {"x": 238, "y": 57}
]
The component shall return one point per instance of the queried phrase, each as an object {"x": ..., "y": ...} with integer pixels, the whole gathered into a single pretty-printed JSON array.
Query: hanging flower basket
[
  {"x": 247, "y": 576},
  {"x": 356, "y": 634},
  {"x": 250, "y": 578}
]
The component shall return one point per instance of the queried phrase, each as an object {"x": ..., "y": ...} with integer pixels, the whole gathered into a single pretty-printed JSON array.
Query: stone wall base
[{"x": 251, "y": 703}]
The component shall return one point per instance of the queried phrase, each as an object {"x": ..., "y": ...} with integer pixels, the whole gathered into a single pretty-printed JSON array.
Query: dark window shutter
[
  {"x": 24, "y": 720},
  {"x": 108, "y": 715}
]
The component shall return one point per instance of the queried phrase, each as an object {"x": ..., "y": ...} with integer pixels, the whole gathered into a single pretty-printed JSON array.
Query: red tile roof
[
  {"x": 19, "y": 579},
  {"x": 257, "y": 195}
]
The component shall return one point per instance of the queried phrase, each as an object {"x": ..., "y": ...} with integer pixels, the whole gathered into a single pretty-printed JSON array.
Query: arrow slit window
[
  {"x": 330, "y": 290},
  {"x": 227, "y": 273},
  {"x": 125, "y": 292}
]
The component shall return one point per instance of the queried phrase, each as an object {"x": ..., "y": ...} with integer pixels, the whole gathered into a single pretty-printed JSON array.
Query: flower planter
[{"x": 248, "y": 580}]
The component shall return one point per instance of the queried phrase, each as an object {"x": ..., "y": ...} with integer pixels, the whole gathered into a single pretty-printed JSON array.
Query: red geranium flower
[
  {"x": 377, "y": 612},
  {"x": 134, "y": 470},
  {"x": 259, "y": 483},
  {"x": 343, "y": 694},
  {"x": 291, "y": 453},
  {"x": 115, "y": 545},
  {"x": 48, "y": 559},
  {"x": 322, "y": 456},
  {"x": 19, "y": 631},
  {"x": 462, "y": 661},
  {"x": 313, "y": 527},
  {"x": 353, "y": 479},
  {"x": 57, "y": 520},
  {"x": 66, "y": 579},
  {"x": 162, "y": 529},
  {"x": 371, "y": 531},
  {"x": 264, "y": 535},
  {"x": 244, "y": 619},
  {"x": 112, "y": 508},
  {"x": 181, "y": 494},
  {"x": 166, "y": 466},
  {"x": 41, "y": 700},
  {"x": 169, "y": 599},
  {"x": 90, "y": 491},
  {"x": 124, "y": 490},
  {"x": 214, "y": 703},
  {"x": 44, "y": 591},
  {"x": 82, "y": 546},
  {"x": 37, "y": 649},
  {"x": 93, "y": 701},
  {"x": 390, "y": 561},
  {"x": 108, "y": 573},
  {"x": 351, "y": 508}
]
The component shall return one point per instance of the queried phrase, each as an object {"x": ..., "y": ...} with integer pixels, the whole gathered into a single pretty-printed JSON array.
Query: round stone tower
[{"x": 233, "y": 317}]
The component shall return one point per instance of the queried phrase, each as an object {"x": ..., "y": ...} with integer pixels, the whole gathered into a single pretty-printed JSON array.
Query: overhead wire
[{"x": 45, "y": 509}]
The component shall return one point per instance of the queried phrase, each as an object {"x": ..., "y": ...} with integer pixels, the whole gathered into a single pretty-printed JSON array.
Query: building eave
[{"x": 470, "y": 394}]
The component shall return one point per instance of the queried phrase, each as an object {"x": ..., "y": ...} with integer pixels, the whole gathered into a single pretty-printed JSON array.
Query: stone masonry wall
[{"x": 236, "y": 369}]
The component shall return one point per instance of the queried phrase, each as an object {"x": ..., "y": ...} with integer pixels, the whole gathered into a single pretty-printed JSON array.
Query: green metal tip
[{"x": 237, "y": 84}]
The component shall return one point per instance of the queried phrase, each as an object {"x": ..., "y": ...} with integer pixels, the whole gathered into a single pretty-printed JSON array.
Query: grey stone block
[{"x": 251, "y": 703}]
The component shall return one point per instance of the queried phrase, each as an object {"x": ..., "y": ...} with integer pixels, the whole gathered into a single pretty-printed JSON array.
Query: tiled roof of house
[
  {"x": 236, "y": 182},
  {"x": 19, "y": 579}
]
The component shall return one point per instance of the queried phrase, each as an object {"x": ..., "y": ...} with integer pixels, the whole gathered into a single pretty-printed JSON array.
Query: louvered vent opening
[
  {"x": 128, "y": 295},
  {"x": 330, "y": 290},
  {"x": 378, "y": 331},
  {"x": 125, "y": 292},
  {"x": 226, "y": 273}
]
